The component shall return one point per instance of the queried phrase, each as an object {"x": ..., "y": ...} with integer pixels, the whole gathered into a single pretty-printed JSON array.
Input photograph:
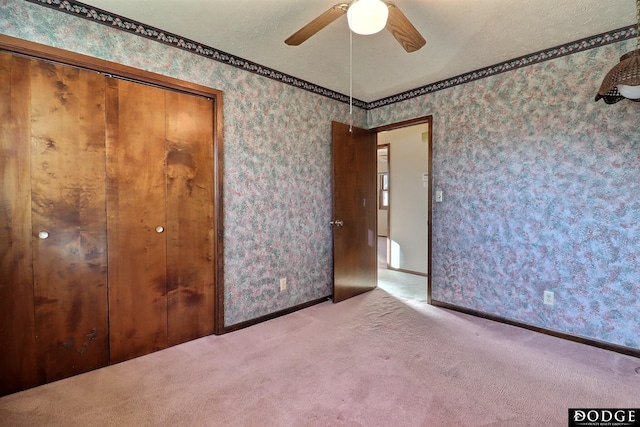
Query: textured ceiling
[{"x": 462, "y": 35}]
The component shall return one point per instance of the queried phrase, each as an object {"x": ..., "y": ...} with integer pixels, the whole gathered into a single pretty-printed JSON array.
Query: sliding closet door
[
  {"x": 160, "y": 215},
  {"x": 190, "y": 250},
  {"x": 69, "y": 220},
  {"x": 53, "y": 310},
  {"x": 136, "y": 219},
  {"x": 107, "y": 204},
  {"x": 17, "y": 327}
]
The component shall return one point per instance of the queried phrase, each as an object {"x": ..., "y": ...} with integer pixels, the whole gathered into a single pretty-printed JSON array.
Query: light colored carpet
[{"x": 373, "y": 360}]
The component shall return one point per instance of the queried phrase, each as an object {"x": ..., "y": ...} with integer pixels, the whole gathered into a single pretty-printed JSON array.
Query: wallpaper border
[
  {"x": 581, "y": 45},
  {"x": 130, "y": 26},
  {"x": 133, "y": 27}
]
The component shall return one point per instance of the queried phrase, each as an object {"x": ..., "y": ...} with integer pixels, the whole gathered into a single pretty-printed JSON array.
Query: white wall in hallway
[{"x": 408, "y": 160}]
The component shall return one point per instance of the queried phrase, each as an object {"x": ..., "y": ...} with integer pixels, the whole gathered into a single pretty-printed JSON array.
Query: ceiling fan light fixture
[
  {"x": 367, "y": 16},
  {"x": 623, "y": 81},
  {"x": 630, "y": 92}
]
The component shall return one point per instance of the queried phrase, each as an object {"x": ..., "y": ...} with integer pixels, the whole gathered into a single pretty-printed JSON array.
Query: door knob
[
  {"x": 43, "y": 235},
  {"x": 159, "y": 229},
  {"x": 337, "y": 223}
]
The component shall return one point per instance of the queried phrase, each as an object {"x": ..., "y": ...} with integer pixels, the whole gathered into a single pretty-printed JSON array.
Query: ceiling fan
[{"x": 392, "y": 18}]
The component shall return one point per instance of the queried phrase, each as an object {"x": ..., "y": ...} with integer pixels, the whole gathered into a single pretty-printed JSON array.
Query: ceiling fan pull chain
[
  {"x": 638, "y": 24},
  {"x": 351, "y": 81}
]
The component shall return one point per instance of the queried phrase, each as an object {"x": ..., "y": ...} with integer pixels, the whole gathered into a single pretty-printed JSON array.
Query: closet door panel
[
  {"x": 17, "y": 327},
  {"x": 68, "y": 191},
  {"x": 190, "y": 238},
  {"x": 135, "y": 208}
]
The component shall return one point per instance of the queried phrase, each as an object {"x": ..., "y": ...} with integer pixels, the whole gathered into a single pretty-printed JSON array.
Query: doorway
[
  {"x": 404, "y": 208},
  {"x": 383, "y": 205}
]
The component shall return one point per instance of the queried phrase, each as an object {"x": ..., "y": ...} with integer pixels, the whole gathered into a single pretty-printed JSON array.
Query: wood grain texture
[
  {"x": 354, "y": 203},
  {"x": 135, "y": 207},
  {"x": 403, "y": 30},
  {"x": 68, "y": 190},
  {"x": 37, "y": 50},
  {"x": 19, "y": 241},
  {"x": 218, "y": 211},
  {"x": 17, "y": 326},
  {"x": 190, "y": 217},
  {"x": 326, "y": 18}
]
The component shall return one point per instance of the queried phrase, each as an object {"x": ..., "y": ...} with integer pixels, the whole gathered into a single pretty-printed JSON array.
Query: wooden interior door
[
  {"x": 354, "y": 211},
  {"x": 190, "y": 216},
  {"x": 136, "y": 219},
  {"x": 69, "y": 218},
  {"x": 17, "y": 323}
]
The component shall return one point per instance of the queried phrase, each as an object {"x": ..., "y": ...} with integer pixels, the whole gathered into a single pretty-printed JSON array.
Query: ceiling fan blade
[
  {"x": 317, "y": 24},
  {"x": 400, "y": 27}
]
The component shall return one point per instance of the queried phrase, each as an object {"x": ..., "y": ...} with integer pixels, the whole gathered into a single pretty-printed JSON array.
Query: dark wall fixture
[{"x": 623, "y": 81}]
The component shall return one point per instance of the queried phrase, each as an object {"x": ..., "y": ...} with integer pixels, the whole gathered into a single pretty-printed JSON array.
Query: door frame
[
  {"x": 61, "y": 56},
  {"x": 406, "y": 123},
  {"x": 388, "y": 245}
]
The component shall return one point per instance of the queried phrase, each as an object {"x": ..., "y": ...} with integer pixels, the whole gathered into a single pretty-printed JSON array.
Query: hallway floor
[
  {"x": 403, "y": 285},
  {"x": 397, "y": 283}
]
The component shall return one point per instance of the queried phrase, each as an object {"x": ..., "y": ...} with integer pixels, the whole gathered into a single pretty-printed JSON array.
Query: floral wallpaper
[
  {"x": 540, "y": 182},
  {"x": 540, "y": 192},
  {"x": 277, "y": 159}
]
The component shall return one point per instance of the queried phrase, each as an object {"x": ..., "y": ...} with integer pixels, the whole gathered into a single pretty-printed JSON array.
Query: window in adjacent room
[{"x": 383, "y": 202}]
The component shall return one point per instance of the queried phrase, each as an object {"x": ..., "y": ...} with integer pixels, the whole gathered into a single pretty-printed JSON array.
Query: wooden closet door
[
  {"x": 17, "y": 325},
  {"x": 190, "y": 249},
  {"x": 69, "y": 220},
  {"x": 136, "y": 221}
]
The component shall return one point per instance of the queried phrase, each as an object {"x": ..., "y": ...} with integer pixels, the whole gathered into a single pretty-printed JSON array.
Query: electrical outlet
[
  {"x": 548, "y": 297},
  {"x": 283, "y": 284}
]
